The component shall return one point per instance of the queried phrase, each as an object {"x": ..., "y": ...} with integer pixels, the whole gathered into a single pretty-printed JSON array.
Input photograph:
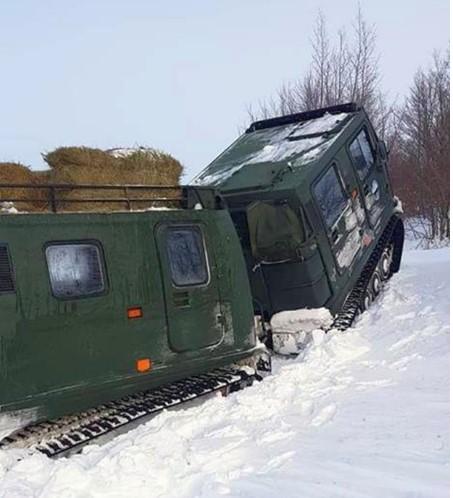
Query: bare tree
[
  {"x": 417, "y": 133},
  {"x": 338, "y": 73},
  {"x": 421, "y": 165},
  {"x": 364, "y": 66}
]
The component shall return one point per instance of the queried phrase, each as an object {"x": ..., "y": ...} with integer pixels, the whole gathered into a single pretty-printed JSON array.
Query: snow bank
[{"x": 365, "y": 413}]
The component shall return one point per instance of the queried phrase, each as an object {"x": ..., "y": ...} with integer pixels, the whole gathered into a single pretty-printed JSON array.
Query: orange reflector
[
  {"x": 134, "y": 313},
  {"x": 354, "y": 194},
  {"x": 143, "y": 365}
]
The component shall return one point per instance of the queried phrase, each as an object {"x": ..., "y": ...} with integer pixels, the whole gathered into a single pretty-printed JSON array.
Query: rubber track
[
  {"x": 66, "y": 435},
  {"x": 351, "y": 307}
]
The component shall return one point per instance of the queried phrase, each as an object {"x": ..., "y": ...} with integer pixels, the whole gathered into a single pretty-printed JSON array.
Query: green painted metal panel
[{"x": 60, "y": 355}]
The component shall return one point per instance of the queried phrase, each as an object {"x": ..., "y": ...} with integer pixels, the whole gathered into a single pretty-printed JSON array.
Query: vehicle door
[
  {"x": 191, "y": 288},
  {"x": 371, "y": 174},
  {"x": 341, "y": 216}
]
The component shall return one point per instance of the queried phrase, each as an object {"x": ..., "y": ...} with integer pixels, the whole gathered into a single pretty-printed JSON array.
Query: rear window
[
  {"x": 187, "y": 256},
  {"x": 75, "y": 270},
  {"x": 330, "y": 196},
  {"x": 276, "y": 232},
  {"x": 362, "y": 154}
]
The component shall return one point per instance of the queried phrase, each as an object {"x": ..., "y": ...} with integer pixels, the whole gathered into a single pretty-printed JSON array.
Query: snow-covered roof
[{"x": 298, "y": 143}]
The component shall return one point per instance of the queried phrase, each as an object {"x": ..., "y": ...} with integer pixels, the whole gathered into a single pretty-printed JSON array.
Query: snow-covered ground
[{"x": 364, "y": 413}]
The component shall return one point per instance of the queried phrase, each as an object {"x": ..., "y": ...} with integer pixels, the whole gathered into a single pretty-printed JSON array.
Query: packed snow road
[{"x": 363, "y": 413}]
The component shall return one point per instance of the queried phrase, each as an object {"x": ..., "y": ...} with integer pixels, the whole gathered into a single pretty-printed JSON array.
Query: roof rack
[
  {"x": 53, "y": 197},
  {"x": 302, "y": 116}
]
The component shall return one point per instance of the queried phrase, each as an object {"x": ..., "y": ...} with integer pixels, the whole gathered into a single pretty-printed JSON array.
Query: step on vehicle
[
  {"x": 116, "y": 316},
  {"x": 311, "y": 199}
]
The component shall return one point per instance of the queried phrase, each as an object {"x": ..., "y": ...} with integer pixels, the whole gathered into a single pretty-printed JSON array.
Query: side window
[
  {"x": 75, "y": 270},
  {"x": 6, "y": 271},
  {"x": 330, "y": 196},
  {"x": 362, "y": 154},
  {"x": 187, "y": 256}
]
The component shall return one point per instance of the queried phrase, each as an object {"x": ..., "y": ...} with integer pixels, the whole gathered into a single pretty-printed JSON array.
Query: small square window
[
  {"x": 187, "y": 257},
  {"x": 75, "y": 270}
]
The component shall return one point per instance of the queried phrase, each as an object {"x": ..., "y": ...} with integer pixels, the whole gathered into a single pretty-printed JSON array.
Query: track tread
[
  {"x": 56, "y": 438},
  {"x": 351, "y": 307}
]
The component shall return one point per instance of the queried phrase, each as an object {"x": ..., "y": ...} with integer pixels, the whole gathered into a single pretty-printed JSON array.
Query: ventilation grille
[
  {"x": 181, "y": 299},
  {"x": 6, "y": 271}
]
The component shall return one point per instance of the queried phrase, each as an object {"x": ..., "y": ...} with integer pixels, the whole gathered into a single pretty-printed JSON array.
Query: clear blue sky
[{"x": 175, "y": 75}]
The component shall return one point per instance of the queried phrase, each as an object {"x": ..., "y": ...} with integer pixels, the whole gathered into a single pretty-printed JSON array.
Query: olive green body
[
  {"x": 59, "y": 355},
  {"x": 297, "y": 257}
]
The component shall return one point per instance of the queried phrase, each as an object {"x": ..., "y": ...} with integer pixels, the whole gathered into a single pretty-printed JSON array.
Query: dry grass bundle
[
  {"x": 84, "y": 165},
  {"x": 11, "y": 172}
]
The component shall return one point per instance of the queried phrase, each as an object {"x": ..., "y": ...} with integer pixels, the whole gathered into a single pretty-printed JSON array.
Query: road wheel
[
  {"x": 385, "y": 263},
  {"x": 375, "y": 283},
  {"x": 367, "y": 299}
]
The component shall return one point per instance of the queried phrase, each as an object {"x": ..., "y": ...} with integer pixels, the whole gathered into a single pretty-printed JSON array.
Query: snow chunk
[
  {"x": 8, "y": 208},
  {"x": 128, "y": 151},
  {"x": 398, "y": 205},
  {"x": 304, "y": 320},
  {"x": 12, "y": 422},
  {"x": 293, "y": 330}
]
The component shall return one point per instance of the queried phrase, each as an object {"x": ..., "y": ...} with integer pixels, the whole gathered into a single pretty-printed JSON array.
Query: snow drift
[{"x": 362, "y": 413}]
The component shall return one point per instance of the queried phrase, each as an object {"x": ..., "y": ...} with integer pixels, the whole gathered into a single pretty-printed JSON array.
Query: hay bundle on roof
[
  {"x": 147, "y": 166},
  {"x": 84, "y": 165},
  {"x": 11, "y": 172}
]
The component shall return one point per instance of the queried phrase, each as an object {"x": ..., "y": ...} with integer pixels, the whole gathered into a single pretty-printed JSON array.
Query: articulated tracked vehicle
[
  {"x": 312, "y": 203},
  {"x": 107, "y": 318}
]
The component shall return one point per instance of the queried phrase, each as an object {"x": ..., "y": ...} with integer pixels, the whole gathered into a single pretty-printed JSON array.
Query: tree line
[{"x": 416, "y": 129}]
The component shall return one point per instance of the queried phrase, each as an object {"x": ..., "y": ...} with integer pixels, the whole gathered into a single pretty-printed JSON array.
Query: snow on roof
[
  {"x": 323, "y": 124},
  {"x": 305, "y": 142}
]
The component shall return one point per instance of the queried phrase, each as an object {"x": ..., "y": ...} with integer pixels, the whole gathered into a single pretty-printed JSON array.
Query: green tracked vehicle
[
  {"x": 99, "y": 311},
  {"x": 312, "y": 203},
  {"x": 106, "y": 318}
]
